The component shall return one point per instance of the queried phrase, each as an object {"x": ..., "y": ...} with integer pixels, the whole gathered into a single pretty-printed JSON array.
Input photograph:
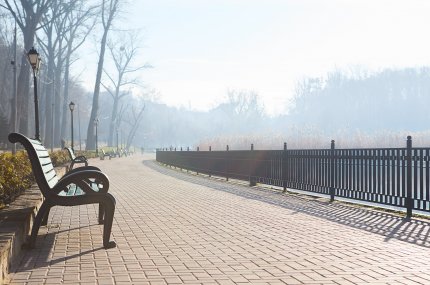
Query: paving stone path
[{"x": 177, "y": 228}]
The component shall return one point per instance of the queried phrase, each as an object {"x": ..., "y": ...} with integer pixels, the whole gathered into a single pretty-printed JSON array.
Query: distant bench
[
  {"x": 75, "y": 159},
  {"x": 80, "y": 186},
  {"x": 103, "y": 154}
]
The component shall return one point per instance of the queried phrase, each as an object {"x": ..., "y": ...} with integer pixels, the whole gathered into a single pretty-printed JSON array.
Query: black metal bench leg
[
  {"x": 101, "y": 213},
  {"x": 37, "y": 222},
  {"x": 109, "y": 204},
  {"x": 45, "y": 218}
]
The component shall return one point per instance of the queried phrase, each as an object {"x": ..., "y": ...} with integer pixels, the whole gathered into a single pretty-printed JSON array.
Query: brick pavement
[{"x": 177, "y": 228}]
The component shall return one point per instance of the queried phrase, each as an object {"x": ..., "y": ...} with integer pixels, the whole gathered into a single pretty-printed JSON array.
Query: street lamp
[
  {"x": 96, "y": 122},
  {"x": 117, "y": 146},
  {"x": 35, "y": 61},
  {"x": 71, "y": 107}
]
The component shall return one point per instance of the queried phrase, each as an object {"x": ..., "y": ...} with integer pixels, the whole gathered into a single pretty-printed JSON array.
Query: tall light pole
[
  {"x": 71, "y": 107},
  {"x": 117, "y": 146},
  {"x": 79, "y": 128},
  {"x": 96, "y": 123},
  {"x": 52, "y": 129},
  {"x": 15, "y": 95},
  {"x": 35, "y": 61}
]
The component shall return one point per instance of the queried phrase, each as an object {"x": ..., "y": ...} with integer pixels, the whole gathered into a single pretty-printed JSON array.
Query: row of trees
[
  {"x": 58, "y": 28},
  {"x": 357, "y": 109},
  {"x": 392, "y": 99}
]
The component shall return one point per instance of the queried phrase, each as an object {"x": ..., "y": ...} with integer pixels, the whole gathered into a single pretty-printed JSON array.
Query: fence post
[
  {"x": 197, "y": 172},
  {"x": 284, "y": 170},
  {"x": 227, "y": 164},
  {"x": 332, "y": 165},
  {"x": 210, "y": 149},
  {"x": 409, "y": 202},
  {"x": 251, "y": 181}
]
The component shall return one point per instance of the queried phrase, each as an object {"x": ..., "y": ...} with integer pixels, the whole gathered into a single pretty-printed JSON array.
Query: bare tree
[
  {"x": 28, "y": 15},
  {"x": 109, "y": 9},
  {"x": 122, "y": 52},
  {"x": 51, "y": 44},
  {"x": 6, "y": 55},
  {"x": 134, "y": 121},
  {"x": 80, "y": 21}
]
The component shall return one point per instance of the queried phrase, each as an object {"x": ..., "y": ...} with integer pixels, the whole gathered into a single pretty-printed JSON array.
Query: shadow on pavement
[
  {"x": 386, "y": 224},
  {"x": 41, "y": 255}
]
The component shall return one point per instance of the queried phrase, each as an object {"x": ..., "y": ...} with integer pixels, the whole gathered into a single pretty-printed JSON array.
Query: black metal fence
[{"x": 391, "y": 176}]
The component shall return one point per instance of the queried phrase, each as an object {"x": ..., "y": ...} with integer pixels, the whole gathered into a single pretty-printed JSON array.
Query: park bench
[
  {"x": 103, "y": 154},
  {"x": 75, "y": 159},
  {"x": 80, "y": 186},
  {"x": 123, "y": 152}
]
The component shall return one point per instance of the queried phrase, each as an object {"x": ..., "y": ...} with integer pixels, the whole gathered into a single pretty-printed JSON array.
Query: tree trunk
[
  {"x": 113, "y": 122},
  {"x": 95, "y": 107},
  {"x": 49, "y": 100},
  {"x": 58, "y": 100},
  {"x": 63, "y": 132},
  {"x": 113, "y": 5},
  {"x": 23, "y": 89}
]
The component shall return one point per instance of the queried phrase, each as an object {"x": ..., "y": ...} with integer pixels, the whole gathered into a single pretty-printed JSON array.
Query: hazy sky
[{"x": 202, "y": 48}]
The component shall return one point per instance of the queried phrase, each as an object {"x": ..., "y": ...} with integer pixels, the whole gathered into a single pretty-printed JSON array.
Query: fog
[
  {"x": 261, "y": 58},
  {"x": 359, "y": 109}
]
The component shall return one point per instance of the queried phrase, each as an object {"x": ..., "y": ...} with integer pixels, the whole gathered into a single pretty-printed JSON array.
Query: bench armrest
[
  {"x": 82, "y": 168},
  {"x": 83, "y": 179},
  {"x": 81, "y": 157}
]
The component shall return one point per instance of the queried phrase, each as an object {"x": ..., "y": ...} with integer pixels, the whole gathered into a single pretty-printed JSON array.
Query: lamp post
[
  {"x": 96, "y": 122},
  {"x": 52, "y": 128},
  {"x": 79, "y": 129},
  {"x": 117, "y": 146},
  {"x": 71, "y": 107},
  {"x": 15, "y": 100},
  {"x": 35, "y": 61}
]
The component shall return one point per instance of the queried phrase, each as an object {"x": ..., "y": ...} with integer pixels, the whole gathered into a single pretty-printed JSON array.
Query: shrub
[
  {"x": 59, "y": 157},
  {"x": 15, "y": 176}
]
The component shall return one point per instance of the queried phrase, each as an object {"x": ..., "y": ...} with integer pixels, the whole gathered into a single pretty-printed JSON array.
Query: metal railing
[{"x": 397, "y": 177}]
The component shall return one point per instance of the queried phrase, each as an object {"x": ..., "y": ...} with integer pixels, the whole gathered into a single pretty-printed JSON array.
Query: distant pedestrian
[{"x": 141, "y": 149}]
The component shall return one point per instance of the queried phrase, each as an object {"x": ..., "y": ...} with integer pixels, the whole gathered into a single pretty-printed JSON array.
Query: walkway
[{"x": 178, "y": 228}]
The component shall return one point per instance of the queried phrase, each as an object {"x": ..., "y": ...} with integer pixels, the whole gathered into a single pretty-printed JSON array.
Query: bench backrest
[
  {"x": 71, "y": 153},
  {"x": 41, "y": 163}
]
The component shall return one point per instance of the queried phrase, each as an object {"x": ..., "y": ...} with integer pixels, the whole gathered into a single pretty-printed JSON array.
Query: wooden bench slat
[
  {"x": 42, "y": 153},
  {"x": 50, "y": 175},
  {"x": 45, "y": 160},
  {"x": 48, "y": 168},
  {"x": 53, "y": 182},
  {"x": 38, "y": 146}
]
